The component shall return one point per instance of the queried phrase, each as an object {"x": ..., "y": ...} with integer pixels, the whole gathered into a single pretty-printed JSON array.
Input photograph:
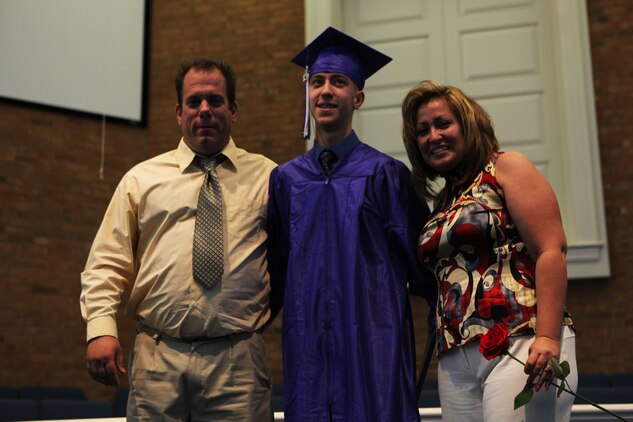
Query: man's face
[
  {"x": 333, "y": 99},
  {"x": 205, "y": 116}
]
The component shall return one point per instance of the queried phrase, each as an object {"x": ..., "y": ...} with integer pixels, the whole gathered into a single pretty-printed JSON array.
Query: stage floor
[{"x": 580, "y": 413}]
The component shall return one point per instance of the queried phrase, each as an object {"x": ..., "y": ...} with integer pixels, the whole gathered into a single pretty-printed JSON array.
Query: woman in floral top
[{"x": 496, "y": 245}]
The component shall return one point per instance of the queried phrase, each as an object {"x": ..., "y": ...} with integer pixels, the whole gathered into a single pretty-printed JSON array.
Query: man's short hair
[{"x": 206, "y": 65}]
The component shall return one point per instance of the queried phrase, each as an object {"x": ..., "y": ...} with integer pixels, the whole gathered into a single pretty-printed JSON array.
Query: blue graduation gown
[{"x": 341, "y": 252}]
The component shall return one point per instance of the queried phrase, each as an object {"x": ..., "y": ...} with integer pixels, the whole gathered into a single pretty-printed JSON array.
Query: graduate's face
[
  {"x": 205, "y": 115},
  {"x": 439, "y": 136},
  {"x": 333, "y": 99}
]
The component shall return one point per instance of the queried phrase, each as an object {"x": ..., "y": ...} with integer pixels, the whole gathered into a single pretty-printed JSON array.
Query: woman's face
[{"x": 439, "y": 136}]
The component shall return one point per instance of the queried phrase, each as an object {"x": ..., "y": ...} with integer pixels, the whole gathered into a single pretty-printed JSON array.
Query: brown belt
[{"x": 158, "y": 335}]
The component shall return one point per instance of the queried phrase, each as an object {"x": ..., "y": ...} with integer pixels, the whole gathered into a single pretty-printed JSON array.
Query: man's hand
[{"x": 104, "y": 360}]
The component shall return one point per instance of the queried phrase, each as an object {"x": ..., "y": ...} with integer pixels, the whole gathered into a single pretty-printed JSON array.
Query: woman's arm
[{"x": 532, "y": 205}]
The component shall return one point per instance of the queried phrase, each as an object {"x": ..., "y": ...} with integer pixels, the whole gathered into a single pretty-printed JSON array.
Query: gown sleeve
[
  {"x": 278, "y": 240},
  {"x": 407, "y": 214}
]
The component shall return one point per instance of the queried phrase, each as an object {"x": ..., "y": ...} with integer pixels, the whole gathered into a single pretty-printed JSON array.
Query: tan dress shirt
[{"x": 145, "y": 243}]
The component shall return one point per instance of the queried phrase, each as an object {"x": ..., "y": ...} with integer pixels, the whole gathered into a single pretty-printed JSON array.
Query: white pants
[{"x": 475, "y": 389}]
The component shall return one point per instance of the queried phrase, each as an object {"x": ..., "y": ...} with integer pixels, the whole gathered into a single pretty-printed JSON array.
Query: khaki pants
[{"x": 227, "y": 379}]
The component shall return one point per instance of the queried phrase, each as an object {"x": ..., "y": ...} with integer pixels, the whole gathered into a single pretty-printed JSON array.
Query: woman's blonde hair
[{"x": 476, "y": 127}]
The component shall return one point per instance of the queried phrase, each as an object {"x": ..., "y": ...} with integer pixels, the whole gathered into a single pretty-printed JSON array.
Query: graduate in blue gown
[{"x": 343, "y": 223}]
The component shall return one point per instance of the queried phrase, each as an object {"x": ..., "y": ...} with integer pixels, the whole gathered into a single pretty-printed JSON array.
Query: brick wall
[
  {"x": 602, "y": 308},
  {"x": 53, "y": 200}
]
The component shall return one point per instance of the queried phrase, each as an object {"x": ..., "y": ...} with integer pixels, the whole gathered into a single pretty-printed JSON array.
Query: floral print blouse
[{"x": 481, "y": 264}]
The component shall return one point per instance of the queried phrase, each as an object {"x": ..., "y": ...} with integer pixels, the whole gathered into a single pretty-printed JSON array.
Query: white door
[
  {"x": 497, "y": 51},
  {"x": 409, "y": 31},
  {"x": 526, "y": 62}
]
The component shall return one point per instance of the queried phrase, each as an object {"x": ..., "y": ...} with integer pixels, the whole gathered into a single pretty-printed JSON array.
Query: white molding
[
  {"x": 588, "y": 254},
  {"x": 319, "y": 14},
  {"x": 579, "y": 412}
]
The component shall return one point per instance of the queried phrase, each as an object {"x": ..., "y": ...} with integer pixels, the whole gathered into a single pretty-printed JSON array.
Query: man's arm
[{"x": 109, "y": 269}]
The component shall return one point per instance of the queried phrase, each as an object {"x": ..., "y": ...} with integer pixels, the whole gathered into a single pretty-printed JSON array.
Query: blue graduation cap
[{"x": 336, "y": 52}]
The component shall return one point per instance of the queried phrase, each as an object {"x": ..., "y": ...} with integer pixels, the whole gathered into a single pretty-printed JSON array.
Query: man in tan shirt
[{"x": 199, "y": 353}]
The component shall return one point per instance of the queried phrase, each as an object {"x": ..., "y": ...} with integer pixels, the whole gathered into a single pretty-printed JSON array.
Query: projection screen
[{"x": 81, "y": 55}]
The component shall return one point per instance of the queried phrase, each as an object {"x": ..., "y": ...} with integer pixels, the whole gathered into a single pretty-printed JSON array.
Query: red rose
[{"x": 495, "y": 342}]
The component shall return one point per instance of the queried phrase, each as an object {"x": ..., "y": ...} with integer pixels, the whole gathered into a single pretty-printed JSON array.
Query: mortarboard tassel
[{"x": 306, "y": 119}]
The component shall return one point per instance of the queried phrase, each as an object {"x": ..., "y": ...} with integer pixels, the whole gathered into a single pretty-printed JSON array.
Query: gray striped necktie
[{"x": 208, "y": 235}]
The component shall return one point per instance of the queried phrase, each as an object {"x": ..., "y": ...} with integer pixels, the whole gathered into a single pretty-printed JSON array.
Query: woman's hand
[{"x": 539, "y": 362}]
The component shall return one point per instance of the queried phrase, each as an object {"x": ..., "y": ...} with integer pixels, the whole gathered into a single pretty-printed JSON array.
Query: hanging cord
[
  {"x": 306, "y": 116},
  {"x": 103, "y": 131}
]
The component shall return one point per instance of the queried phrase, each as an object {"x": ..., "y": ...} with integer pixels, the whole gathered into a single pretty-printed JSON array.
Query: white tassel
[{"x": 306, "y": 119}]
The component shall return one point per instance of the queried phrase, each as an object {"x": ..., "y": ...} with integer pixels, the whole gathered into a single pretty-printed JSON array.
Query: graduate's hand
[{"x": 104, "y": 360}]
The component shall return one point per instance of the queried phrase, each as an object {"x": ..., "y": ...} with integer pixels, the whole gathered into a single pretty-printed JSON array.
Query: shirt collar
[
  {"x": 341, "y": 149},
  {"x": 185, "y": 155}
]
